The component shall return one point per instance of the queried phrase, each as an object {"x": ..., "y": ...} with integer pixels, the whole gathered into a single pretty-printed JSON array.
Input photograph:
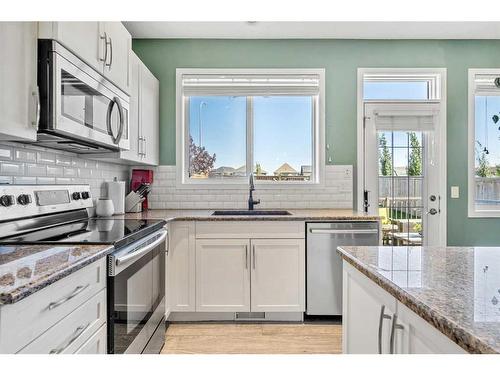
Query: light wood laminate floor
[{"x": 228, "y": 338}]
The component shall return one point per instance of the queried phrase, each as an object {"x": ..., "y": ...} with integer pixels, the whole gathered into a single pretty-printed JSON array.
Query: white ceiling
[{"x": 315, "y": 30}]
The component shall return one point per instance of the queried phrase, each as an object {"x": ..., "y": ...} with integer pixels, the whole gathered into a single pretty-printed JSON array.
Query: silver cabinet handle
[
  {"x": 141, "y": 147},
  {"x": 394, "y": 327},
  {"x": 145, "y": 249},
  {"x": 78, "y": 332},
  {"x": 105, "y": 38},
  {"x": 145, "y": 145},
  {"x": 253, "y": 256},
  {"x": 110, "y": 44},
  {"x": 76, "y": 292},
  {"x": 344, "y": 231},
  {"x": 36, "y": 98},
  {"x": 381, "y": 326},
  {"x": 246, "y": 257}
]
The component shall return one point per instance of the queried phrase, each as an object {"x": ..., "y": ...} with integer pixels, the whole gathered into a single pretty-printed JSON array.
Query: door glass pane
[
  {"x": 400, "y": 187},
  {"x": 487, "y": 153},
  {"x": 217, "y": 133}
]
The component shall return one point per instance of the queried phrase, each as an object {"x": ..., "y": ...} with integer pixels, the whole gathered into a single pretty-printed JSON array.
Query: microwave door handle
[
  {"x": 116, "y": 139},
  {"x": 122, "y": 120}
]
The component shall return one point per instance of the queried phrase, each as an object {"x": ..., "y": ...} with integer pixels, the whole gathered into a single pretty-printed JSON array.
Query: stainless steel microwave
[{"x": 80, "y": 110}]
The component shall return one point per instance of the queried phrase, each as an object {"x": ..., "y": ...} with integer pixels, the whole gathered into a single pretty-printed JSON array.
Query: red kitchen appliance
[{"x": 141, "y": 177}]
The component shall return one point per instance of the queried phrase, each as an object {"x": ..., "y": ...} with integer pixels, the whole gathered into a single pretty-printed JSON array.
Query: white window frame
[
  {"x": 436, "y": 77},
  {"x": 471, "y": 141},
  {"x": 182, "y": 134}
]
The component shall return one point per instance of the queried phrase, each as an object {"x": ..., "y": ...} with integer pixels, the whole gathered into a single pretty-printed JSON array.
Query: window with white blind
[
  {"x": 484, "y": 142},
  {"x": 235, "y": 122}
]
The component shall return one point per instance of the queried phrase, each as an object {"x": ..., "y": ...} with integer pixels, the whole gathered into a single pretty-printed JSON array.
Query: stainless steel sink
[{"x": 251, "y": 213}]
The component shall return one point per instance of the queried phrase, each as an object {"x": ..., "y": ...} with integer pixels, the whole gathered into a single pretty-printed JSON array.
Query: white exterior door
[
  {"x": 402, "y": 172},
  {"x": 278, "y": 275},
  {"x": 223, "y": 275}
]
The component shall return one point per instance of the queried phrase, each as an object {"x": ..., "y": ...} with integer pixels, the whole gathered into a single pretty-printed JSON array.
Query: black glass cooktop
[{"x": 118, "y": 232}]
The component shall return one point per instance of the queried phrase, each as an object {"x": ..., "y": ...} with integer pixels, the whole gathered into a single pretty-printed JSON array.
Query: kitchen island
[{"x": 426, "y": 299}]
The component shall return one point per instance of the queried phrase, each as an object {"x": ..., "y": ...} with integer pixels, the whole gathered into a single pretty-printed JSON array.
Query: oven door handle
[{"x": 136, "y": 254}]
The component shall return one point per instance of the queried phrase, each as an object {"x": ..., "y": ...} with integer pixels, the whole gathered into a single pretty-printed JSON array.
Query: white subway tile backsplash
[
  {"x": 30, "y": 164},
  {"x": 336, "y": 192}
]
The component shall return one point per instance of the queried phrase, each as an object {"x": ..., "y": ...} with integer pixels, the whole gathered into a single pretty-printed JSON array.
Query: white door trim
[{"x": 442, "y": 131}]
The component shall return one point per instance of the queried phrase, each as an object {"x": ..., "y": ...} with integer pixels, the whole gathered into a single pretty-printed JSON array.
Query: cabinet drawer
[
  {"x": 250, "y": 229},
  {"x": 96, "y": 344},
  {"x": 74, "y": 330},
  {"x": 24, "y": 321}
]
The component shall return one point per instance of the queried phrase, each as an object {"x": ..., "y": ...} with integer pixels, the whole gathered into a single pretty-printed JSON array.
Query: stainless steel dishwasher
[{"x": 324, "y": 264}]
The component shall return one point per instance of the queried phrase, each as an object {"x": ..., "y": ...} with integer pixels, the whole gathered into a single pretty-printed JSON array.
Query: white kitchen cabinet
[
  {"x": 106, "y": 46},
  {"x": 149, "y": 116},
  {"x": 181, "y": 267},
  {"x": 367, "y": 312},
  {"x": 19, "y": 95},
  {"x": 277, "y": 275},
  {"x": 81, "y": 38},
  {"x": 119, "y": 44},
  {"x": 370, "y": 313},
  {"x": 413, "y": 335},
  {"x": 223, "y": 275},
  {"x": 97, "y": 344}
]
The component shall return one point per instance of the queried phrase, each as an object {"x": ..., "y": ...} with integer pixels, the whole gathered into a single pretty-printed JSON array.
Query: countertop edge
[
  {"x": 28, "y": 290},
  {"x": 450, "y": 329}
]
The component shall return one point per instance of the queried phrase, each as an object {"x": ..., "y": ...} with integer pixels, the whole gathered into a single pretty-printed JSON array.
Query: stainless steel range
[{"x": 46, "y": 214}]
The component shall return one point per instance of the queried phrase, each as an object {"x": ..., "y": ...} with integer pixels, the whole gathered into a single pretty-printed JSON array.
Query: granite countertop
[
  {"x": 455, "y": 289},
  {"x": 296, "y": 215},
  {"x": 25, "y": 269}
]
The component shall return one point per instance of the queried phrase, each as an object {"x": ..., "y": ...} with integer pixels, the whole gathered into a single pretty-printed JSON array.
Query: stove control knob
[
  {"x": 24, "y": 199},
  {"x": 85, "y": 195},
  {"x": 7, "y": 200},
  {"x": 76, "y": 196}
]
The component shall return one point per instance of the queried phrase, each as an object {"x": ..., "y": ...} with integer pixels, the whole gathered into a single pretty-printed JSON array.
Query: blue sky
[{"x": 282, "y": 130}]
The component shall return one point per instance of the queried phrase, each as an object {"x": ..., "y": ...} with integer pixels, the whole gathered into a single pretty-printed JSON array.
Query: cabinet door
[
  {"x": 413, "y": 335},
  {"x": 278, "y": 275},
  {"x": 19, "y": 96},
  {"x": 97, "y": 344},
  {"x": 149, "y": 116},
  {"x": 181, "y": 267},
  {"x": 81, "y": 38},
  {"x": 117, "y": 66},
  {"x": 134, "y": 154},
  {"x": 222, "y": 275},
  {"x": 367, "y": 314}
]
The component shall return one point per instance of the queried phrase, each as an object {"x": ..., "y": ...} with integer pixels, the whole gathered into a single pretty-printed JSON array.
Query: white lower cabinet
[
  {"x": 223, "y": 275},
  {"x": 278, "y": 275},
  {"x": 181, "y": 267},
  {"x": 376, "y": 322},
  {"x": 97, "y": 344}
]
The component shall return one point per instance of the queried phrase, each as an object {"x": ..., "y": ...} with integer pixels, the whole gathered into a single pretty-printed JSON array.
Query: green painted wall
[{"x": 341, "y": 58}]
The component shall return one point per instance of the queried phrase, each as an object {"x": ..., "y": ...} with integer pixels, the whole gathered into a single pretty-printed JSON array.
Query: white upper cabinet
[
  {"x": 118, "y": 48},
  {"x": 149, "y": 114},
  {"x": 19, "y": 100},
  {"x": 278, "y": 275},
  {"x": 106, "y": 46}
]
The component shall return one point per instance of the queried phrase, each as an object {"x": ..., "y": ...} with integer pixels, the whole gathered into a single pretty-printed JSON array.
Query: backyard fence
[{"x": 488, "y": 190}]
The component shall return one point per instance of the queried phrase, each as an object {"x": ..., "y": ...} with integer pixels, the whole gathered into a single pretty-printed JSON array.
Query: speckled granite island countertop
[
  {"x": 455, "y": 289},
  {"x": 296, "y": 215},
  {"x": 25, "y": 269}
]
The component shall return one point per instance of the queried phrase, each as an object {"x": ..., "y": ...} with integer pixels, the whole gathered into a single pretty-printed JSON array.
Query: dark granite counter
[
  {"x": 455, "y": 289},
  {"x": 25, "y": 269},
  {"x": 296, "y": 215}
]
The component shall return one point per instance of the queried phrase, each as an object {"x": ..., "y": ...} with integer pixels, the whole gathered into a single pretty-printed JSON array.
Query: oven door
[
  {"x": 85, "y": 105},
  {"x": 136, "y": 294}
]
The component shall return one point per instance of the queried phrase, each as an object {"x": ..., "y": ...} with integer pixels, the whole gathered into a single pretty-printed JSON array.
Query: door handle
[
  {"x": 246, "y": 257},
  {"x": 110, "y": 43},
  {"x": 253, "y": 256},
  {"x": 382, "y": 316},
  {"x": 344, "y": 231},
  {"x": 105, "y": 38},
  {"x": 433, "y": 211},
  {"x": 36, "y": 98},
  {"x": 394, "y": 327},
  {"x": 112, "y": 103}
]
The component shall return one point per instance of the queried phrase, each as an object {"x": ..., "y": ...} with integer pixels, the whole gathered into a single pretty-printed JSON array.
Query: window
[
  {"x": 386, "y": 86},
  {"x": 484, "y": 143},
  {"x": 237, "y": 122}
]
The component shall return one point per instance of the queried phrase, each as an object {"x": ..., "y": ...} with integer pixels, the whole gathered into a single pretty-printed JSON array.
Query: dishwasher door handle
[{"x": 344, "y": 231}]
